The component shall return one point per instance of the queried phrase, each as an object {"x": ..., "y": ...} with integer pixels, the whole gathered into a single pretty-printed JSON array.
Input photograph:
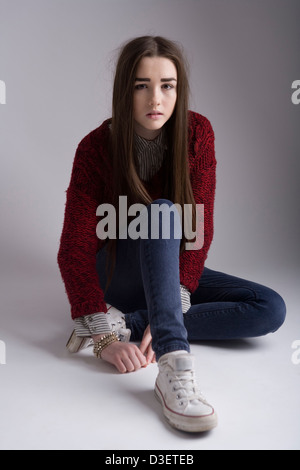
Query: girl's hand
[
  {"x": 146, "y": 346},
  {"x": 126, "y": 357}
]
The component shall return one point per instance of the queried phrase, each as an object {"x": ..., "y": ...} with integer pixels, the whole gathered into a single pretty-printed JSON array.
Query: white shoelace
[{"x": 186, "y": 382}]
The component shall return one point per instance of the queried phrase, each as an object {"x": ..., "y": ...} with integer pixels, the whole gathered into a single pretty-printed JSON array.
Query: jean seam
[
  {"x": 232, "y": 287},
  {"x": 147, "y": 250},
  {"x": 217, "y": 312}
]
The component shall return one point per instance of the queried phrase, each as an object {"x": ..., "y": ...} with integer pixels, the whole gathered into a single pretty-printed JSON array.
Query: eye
[
  {"x": 167, "y": 86},
  {"x": 141, "y": 86}
]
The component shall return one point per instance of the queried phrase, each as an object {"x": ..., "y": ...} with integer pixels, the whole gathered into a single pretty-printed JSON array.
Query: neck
[{"x": 146, "y": 133}]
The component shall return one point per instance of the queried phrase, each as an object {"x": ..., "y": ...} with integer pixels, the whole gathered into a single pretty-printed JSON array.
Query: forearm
[{"x": 79, "y": 243}]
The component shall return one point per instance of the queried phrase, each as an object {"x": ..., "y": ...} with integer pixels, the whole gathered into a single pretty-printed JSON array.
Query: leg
[
  {"x": 126, "y": 290},
  {"x": 147, "y": 270},
  {"x": 227, "y": 307},
  {"x": 156, "y": 264},
  {"x": 160, "y": 273}
]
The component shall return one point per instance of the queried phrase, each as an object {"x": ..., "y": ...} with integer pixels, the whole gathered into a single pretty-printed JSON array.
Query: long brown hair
[{"x": 126, "y": 180}]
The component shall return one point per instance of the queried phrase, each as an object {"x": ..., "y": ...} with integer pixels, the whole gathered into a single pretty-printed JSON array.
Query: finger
[
  {"x": 145, "y": 343},
  {"x": 134, "y": 359},
  {"x": 150, "y": 354},
  {"x": 128, "y": 363},
  {"x": 140, "y": 357},
  {"x": 120, "y": 366}
]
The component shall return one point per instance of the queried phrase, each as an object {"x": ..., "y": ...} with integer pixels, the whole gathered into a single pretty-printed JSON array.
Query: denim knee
[
  {"x": 274, "y": 312},
  {"x": 279, "y": 311},
  {"x": 162, "y": 201},
  {"x": 164, "y": 222}
]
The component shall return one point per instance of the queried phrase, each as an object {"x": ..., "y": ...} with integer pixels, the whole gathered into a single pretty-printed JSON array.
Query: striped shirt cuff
[
  {"x": 95, "y": 324},
  {"x": 185, "y": 298}
]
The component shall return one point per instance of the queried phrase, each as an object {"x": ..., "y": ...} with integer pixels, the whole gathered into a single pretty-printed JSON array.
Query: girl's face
[{"x": 154, "y": 96}]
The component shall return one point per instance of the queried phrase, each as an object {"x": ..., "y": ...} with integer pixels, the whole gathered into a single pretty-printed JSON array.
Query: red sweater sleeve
[
  {"x": 79, "y": 242},
  {"x": 203, "y": 180}
]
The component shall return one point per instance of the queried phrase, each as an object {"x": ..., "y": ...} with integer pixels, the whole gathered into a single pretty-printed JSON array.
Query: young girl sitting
[{"x": 141, "y": 299}]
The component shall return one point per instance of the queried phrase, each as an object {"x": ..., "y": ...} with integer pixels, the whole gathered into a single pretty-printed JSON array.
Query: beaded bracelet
[{"x": 103, "y": 343}]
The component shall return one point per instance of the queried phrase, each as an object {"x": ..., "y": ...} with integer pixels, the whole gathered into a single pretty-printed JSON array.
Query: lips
[{"x": 154, "y": 113}]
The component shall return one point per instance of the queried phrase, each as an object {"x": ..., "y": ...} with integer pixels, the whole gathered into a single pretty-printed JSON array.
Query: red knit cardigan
[{"x": 90, "y": 186}]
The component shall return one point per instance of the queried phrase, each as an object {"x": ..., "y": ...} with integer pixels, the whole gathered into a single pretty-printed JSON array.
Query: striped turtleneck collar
[{"x": 150, "y": 154}]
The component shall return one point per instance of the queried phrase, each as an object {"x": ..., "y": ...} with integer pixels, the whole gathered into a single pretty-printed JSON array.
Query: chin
[
  {"x": 148, "y": 128},
  {"x": 155, "y": 126}
]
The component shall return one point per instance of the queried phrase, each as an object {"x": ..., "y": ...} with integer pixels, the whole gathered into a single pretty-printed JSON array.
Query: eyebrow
[{"x": 149, "y": 80}]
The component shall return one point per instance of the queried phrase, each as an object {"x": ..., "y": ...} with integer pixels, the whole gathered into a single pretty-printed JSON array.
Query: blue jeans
[{"x": 146, "y": 287}]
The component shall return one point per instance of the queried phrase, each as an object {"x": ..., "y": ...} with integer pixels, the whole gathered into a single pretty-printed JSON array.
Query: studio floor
[{"x": 50, "y": 399}]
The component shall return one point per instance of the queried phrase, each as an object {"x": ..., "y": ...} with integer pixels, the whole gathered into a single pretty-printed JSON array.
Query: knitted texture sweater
[{"x": 90, "y": 186}]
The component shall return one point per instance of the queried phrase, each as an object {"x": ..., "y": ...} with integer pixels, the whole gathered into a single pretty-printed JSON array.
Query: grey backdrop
[{"x": 57, "y": 60}]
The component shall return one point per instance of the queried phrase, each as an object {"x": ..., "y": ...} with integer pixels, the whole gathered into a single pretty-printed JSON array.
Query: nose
[{"x": 155, "y": 98}]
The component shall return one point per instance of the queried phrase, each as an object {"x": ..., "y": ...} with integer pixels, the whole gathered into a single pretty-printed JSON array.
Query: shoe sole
[
  {"x": 184, "y": 422},
  {"x": 76, "y": 343}
]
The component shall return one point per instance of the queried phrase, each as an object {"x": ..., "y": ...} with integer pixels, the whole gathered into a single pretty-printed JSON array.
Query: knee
[
  {"x": 164, "y": 217},
  {"x": 165, "y": 208},
  {"x": 160, "y": 202},
  {"x": 274, "y": 311}
]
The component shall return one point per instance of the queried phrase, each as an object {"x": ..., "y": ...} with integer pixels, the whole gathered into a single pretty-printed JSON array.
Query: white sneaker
[
  {"x": 184, "y": 406},
  {"x": 117, "y": 323}
]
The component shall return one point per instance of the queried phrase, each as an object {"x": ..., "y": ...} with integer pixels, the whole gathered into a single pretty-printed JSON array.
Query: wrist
[
  {"x": 103, "y": 343},
  {"x": 99, "y": 336}
]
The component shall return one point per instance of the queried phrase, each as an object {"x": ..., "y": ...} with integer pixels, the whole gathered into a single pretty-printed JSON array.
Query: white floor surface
[{"x": 50, "y": 399}]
